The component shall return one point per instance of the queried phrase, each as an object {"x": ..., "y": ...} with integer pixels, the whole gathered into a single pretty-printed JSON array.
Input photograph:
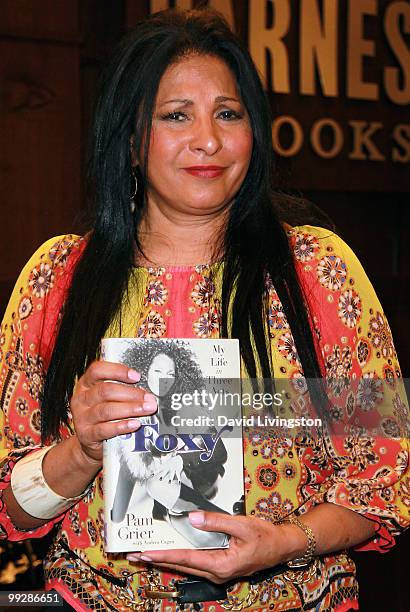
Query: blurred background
[{"x": 338, "y": 77}]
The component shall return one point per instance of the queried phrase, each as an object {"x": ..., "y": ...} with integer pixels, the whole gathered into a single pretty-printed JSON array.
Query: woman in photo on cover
[
  {"x": 178, "y": 482},
  {"x": 191, "y": 240}
]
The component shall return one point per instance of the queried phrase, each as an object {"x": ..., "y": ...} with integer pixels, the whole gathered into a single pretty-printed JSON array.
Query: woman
[{"x": 182, "y": 104}]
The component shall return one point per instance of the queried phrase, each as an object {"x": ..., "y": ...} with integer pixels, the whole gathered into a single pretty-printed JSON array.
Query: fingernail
[
  {"x": 134, "y": 423},
  {"x": 134, "y": 557},
  {"x": 148, "y": 407},
  {"x": 125, "y": 424},
  {"x": 149, "y": 398},
  {"x": 134, "y": 375},
  {"x": 196, "y": 518},
  {"x": 145, "y": 558}
]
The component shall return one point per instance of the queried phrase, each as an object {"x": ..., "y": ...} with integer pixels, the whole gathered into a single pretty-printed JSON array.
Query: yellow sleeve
[
  {"x": 368, "y": 422},
  {"x": 23, "y": 340}
]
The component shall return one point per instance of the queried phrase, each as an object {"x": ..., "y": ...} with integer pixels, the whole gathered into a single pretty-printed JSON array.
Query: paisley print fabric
[{"x": 283, "y": 473}]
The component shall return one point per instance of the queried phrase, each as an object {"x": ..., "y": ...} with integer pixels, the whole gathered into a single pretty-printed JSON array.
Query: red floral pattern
[{"x": 366, "y": 473}]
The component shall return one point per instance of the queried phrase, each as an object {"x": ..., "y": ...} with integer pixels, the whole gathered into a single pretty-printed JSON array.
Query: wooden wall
[
  {"x": 50, "y": 56},
  {"x": 40, "y": 162}
]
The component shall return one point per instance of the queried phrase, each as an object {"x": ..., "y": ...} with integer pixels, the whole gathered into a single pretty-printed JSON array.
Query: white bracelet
[{"x": 32, "y": 492}]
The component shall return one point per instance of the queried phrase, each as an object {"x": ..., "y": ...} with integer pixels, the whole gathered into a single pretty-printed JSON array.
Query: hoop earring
[{"x": 132, "y": 205}]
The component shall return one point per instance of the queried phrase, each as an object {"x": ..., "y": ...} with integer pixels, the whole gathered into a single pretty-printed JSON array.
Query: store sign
[{"x": 338, "y": 75}]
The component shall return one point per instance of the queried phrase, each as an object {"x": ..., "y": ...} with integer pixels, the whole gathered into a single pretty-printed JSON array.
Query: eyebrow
[{"x": 187, "y": 102}]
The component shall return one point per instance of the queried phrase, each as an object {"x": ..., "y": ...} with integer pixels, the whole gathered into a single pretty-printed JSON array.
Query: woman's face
[
  {"x": 161, "y": 375},
  {"x": 201, "y": 140}
]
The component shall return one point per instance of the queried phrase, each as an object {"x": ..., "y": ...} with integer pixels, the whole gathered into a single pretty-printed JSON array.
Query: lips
[{"x": 205, "y": 171}]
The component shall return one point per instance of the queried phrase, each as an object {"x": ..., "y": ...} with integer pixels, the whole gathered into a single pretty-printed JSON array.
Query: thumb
[{"x": 218, "y": 521}]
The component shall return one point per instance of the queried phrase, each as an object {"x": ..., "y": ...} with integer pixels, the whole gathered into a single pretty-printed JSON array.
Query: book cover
[{"x": 188, "y": 456}]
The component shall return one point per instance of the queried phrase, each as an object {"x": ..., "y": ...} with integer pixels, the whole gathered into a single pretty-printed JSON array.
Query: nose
[{"x": 205, "y": 137}]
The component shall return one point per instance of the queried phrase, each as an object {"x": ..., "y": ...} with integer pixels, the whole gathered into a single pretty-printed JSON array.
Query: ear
[{"x": 134, "y": 157}]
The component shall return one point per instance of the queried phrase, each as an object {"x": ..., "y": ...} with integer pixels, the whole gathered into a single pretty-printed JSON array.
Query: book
[{"x": 187, "y": 456}]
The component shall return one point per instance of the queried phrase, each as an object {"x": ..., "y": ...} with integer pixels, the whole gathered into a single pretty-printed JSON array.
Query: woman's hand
[
  {"x": 102, "y": 408},
  {"x": 255, "y": 544}
]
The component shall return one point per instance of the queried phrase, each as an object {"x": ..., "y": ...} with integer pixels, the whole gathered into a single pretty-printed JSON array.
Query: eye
[
  {"x": 230, "y": 115},
  {"x": 176, "y": 116}
]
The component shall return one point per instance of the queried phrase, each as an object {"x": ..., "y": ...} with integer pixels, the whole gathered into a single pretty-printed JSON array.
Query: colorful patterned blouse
[{"x": 365, "y": 473}]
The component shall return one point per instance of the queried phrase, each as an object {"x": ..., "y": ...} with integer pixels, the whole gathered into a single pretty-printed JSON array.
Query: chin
[{"x": 207, "y": 205}]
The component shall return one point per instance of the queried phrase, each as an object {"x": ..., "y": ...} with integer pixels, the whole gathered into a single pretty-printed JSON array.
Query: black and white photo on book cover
[{"x": 188, "y": 456}]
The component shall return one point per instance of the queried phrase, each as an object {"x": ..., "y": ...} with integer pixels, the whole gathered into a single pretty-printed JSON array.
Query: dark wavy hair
[
  {"x": 254, "y": 244},
  {"x": 188, "y": 374}
]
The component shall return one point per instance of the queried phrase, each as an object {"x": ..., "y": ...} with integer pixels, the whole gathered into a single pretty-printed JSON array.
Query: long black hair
[{"x": 254, "y": 244}]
